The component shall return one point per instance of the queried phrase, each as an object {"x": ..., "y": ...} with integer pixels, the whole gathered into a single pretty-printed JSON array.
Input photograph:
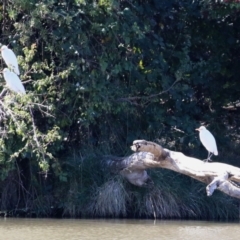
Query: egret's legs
[{"x": 209, "y": 157}]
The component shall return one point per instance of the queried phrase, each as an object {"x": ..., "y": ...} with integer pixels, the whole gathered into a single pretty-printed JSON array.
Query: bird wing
[
  {"x": 208, "y": 141},
  {"x": 14, "y": 83},
  {"x": 18, "y": 84},
  {"x": 11, "y": 60}
]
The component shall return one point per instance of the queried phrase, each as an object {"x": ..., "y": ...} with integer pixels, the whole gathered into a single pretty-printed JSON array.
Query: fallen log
[{"x": 151, "y": 155}]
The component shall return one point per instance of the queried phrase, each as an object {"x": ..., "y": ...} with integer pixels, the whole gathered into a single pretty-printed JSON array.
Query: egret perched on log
[
  {"x": 13, "y": 81},
  {"x": 208, "y": 142},
  {"x": 10, "y": 59}
]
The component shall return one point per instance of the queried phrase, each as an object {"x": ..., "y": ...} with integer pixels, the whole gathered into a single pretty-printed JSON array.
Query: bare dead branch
[
  {"x": 151, "y": 155},
  {"x": 133, "y": 99}
]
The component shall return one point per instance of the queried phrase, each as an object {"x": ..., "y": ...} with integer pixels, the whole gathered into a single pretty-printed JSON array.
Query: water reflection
[{"x": 68, "y": 229}]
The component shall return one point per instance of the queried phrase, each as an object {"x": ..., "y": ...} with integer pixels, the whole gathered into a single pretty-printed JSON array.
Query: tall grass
[
  {"x": 110, "y": 199},
  {"x": 90, "y": 190}
]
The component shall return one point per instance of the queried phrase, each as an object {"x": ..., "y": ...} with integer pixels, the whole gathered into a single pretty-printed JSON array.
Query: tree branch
[
  {"x": 132, "y": 99},
  {"x": 151, "y": 155}
]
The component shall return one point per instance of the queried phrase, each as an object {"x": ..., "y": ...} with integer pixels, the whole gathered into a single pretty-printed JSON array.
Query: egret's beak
[{"x": 197, "y": 129}]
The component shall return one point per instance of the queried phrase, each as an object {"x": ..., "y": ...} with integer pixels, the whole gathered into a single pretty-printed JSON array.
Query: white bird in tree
[
  {"x": 208, "y": 142},
  {"x": 13, "y": 81},
  {"x": 10, "y": 59}
]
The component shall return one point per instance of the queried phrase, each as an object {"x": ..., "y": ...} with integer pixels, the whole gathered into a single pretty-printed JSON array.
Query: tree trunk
[{"x": 151, "y": 155}]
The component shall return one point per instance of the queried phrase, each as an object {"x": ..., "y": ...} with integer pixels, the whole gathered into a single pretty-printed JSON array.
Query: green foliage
[{"x": 100, "y": 74}]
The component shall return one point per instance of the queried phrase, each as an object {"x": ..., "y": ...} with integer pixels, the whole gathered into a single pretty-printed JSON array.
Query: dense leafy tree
[{"x": 99, "y": 74}]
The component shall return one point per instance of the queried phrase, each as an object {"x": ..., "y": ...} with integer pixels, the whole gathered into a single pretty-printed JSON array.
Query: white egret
[
  {"x": 10, "y": 59},
  {"x": 208, "y": 142},
  {"x": 13, "y": 81}
]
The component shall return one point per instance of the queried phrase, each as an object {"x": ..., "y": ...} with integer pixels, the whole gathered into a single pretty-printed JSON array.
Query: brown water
[{"x": 65, "y": 229}]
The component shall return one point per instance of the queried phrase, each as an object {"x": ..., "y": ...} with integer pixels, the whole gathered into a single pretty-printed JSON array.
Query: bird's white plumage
[
  {"x": 13, "y": 81},
  {"x": 208, "y": 141},
  {"x": 10, "y": 59}
]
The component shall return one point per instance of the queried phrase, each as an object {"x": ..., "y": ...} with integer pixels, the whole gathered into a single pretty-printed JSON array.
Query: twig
[
  {"x": 10, "y": 112},
  {"x": 2, "y": 94},
  {"x": 130, "y": 99},
  {"x": 34, "y": 128},
  {"x": 36, "y": 138}
]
